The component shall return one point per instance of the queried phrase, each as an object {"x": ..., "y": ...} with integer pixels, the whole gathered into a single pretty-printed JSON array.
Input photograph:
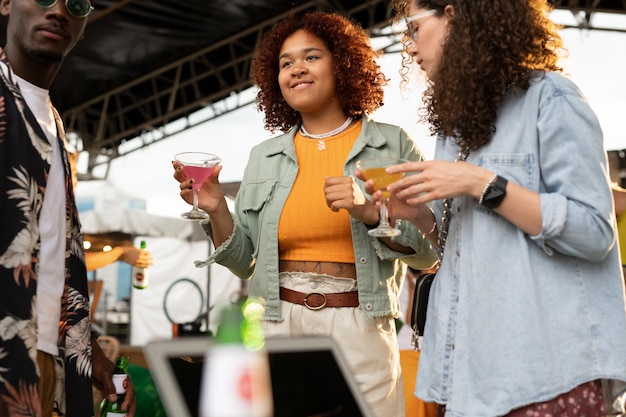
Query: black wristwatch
[{"x": 494, "y": 193}]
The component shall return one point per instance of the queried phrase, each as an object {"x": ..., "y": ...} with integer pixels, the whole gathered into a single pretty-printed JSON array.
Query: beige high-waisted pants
[{"x": 369, "y": 344}]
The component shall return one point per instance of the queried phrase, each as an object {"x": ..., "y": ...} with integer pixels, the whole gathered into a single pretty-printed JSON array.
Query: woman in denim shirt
[
  {"x": 299, "y": 232},
  {"x": 526, "y": 315}
]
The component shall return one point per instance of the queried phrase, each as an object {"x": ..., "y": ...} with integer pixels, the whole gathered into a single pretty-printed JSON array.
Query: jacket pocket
[
  {"x": 253, "y": 204},
  {"x": 517, "y": 167}
]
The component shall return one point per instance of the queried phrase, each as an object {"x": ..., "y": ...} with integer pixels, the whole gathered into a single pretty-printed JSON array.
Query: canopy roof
[{"x": 146, "y": 63}]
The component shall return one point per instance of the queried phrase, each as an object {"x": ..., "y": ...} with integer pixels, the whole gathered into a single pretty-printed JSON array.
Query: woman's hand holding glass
[
  {"x": 373, "y": 170},
  {"x": 422, "y": 183},
  {"x": 438, "y": 180},
  {"x": 209, "y": 193},
  {"x": 404, "y": 195}
]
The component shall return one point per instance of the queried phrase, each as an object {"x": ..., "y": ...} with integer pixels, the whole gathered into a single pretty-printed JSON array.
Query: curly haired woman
[
  {"x": 300, "y": 228},
  {"x": 526, "y": 316}
]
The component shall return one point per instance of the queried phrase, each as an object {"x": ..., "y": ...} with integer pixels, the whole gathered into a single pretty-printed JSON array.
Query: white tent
[
  {"x": 178, "y": 291},
  {"x": 137, "y": 222}
]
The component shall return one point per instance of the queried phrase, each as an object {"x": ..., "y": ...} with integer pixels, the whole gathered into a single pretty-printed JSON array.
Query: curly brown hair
[
  {"x": 360, "y": 80},
  {"x": 490, "y": 48}
]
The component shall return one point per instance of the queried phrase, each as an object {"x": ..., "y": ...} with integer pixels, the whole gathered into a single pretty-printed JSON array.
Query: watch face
[{"x": 494, "y": 193}]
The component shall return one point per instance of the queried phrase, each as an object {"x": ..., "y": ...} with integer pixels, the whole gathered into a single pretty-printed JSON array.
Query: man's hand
[
  {"x": 102, "y": 378},
  {"x": 136, "y": 256}
]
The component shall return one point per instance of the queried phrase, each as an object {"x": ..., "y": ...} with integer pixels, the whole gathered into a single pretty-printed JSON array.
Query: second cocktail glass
[
  {"x": 199, "y": 166},
  {"x": 374, "y": 169}
]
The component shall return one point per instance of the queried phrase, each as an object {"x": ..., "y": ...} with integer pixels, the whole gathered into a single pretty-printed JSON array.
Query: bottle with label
[
  {"x": 120, "y": 380},
  {"x": 235, "y": 379},
  {"x": 140, "y": 275}
]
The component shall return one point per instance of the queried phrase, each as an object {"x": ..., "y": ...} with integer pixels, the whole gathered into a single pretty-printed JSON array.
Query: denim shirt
[
  {"x": 515, "y": 319},
  {"x": 251, "y": 252}
]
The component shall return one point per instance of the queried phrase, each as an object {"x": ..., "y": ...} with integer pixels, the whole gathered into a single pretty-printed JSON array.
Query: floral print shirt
[{"x": 25, "y": 156}]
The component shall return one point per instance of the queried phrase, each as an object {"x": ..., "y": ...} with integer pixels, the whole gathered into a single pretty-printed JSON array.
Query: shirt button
[
  {"x": 369, "y": 306},
  {"x": 313, "y": 285},
  {"x": 362, "y": 260}
]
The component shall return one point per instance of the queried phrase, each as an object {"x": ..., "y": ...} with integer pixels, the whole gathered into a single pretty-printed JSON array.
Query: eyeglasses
[
  {"x": 77, "y": 8},
  {"x": 412, "y": 32}
]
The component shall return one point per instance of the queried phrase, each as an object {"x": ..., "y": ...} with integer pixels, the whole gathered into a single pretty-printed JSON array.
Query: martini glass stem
[
  {"x": 384, "y": 213},
  {"x": 195, "y": 200}
]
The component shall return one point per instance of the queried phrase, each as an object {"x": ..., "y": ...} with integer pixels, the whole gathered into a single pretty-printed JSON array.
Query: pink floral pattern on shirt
[{"x": 583, "y": 401}]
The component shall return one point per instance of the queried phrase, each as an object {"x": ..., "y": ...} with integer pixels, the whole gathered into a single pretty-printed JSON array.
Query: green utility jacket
[{"x": 251, "y": 252}]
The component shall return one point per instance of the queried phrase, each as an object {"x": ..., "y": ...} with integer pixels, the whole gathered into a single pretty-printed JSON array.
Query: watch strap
[{"x": 371, "y": 226}]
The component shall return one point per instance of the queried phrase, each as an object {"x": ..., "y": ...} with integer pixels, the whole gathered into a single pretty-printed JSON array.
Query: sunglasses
[
  {"x": 77, "y": 8},
  {"x": 410, "y": 30}
]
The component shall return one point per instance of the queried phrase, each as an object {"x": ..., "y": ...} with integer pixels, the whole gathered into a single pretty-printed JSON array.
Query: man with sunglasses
[{"x": 48, "y": 359}]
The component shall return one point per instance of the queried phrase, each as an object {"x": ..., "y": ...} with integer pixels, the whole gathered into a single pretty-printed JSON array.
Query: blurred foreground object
[{"x": 236, "y": 378}]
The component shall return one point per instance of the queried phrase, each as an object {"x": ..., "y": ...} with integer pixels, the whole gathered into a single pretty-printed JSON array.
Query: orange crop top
[{"x": 308, "y": 230}]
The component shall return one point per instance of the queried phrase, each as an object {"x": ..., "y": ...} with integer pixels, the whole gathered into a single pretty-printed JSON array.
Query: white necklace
[{"x": 321, "y": 145}]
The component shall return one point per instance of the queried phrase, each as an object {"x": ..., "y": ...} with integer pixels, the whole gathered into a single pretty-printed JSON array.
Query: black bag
[{"x": 420, "y": 304}]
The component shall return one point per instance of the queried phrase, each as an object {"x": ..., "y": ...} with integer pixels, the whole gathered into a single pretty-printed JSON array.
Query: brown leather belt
[{"x": 319, "y": 300}]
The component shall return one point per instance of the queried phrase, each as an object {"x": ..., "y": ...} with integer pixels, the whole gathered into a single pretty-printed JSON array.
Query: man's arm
[{"x": 129, "y": 254}]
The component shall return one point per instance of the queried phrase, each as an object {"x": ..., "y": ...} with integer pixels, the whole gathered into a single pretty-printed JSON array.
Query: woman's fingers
[{"x": 179, "y": 175}]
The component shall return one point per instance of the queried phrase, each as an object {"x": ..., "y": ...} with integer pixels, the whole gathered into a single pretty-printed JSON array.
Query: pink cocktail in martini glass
[{"x": 197, "y": 166}]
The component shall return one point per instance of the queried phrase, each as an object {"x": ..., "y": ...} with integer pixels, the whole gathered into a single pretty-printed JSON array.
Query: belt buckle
[{"x": 306, "y": 301}]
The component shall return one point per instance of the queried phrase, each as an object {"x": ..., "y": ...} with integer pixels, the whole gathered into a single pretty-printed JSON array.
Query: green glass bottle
[
  {"x": 120, "y": 380},
  {"x": 140, "y": 275}
]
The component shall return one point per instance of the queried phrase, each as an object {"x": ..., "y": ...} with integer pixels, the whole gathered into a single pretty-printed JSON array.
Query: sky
[{"x": 596, "y": 63}]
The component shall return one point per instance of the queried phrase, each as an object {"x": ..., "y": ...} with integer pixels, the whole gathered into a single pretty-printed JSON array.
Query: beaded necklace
[{"x": 321, "y": 145}]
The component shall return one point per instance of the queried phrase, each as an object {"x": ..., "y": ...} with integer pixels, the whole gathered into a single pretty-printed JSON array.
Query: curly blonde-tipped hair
[
  {"x": 359, "y": 83},
  {"x": 489, "y": 49}
]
